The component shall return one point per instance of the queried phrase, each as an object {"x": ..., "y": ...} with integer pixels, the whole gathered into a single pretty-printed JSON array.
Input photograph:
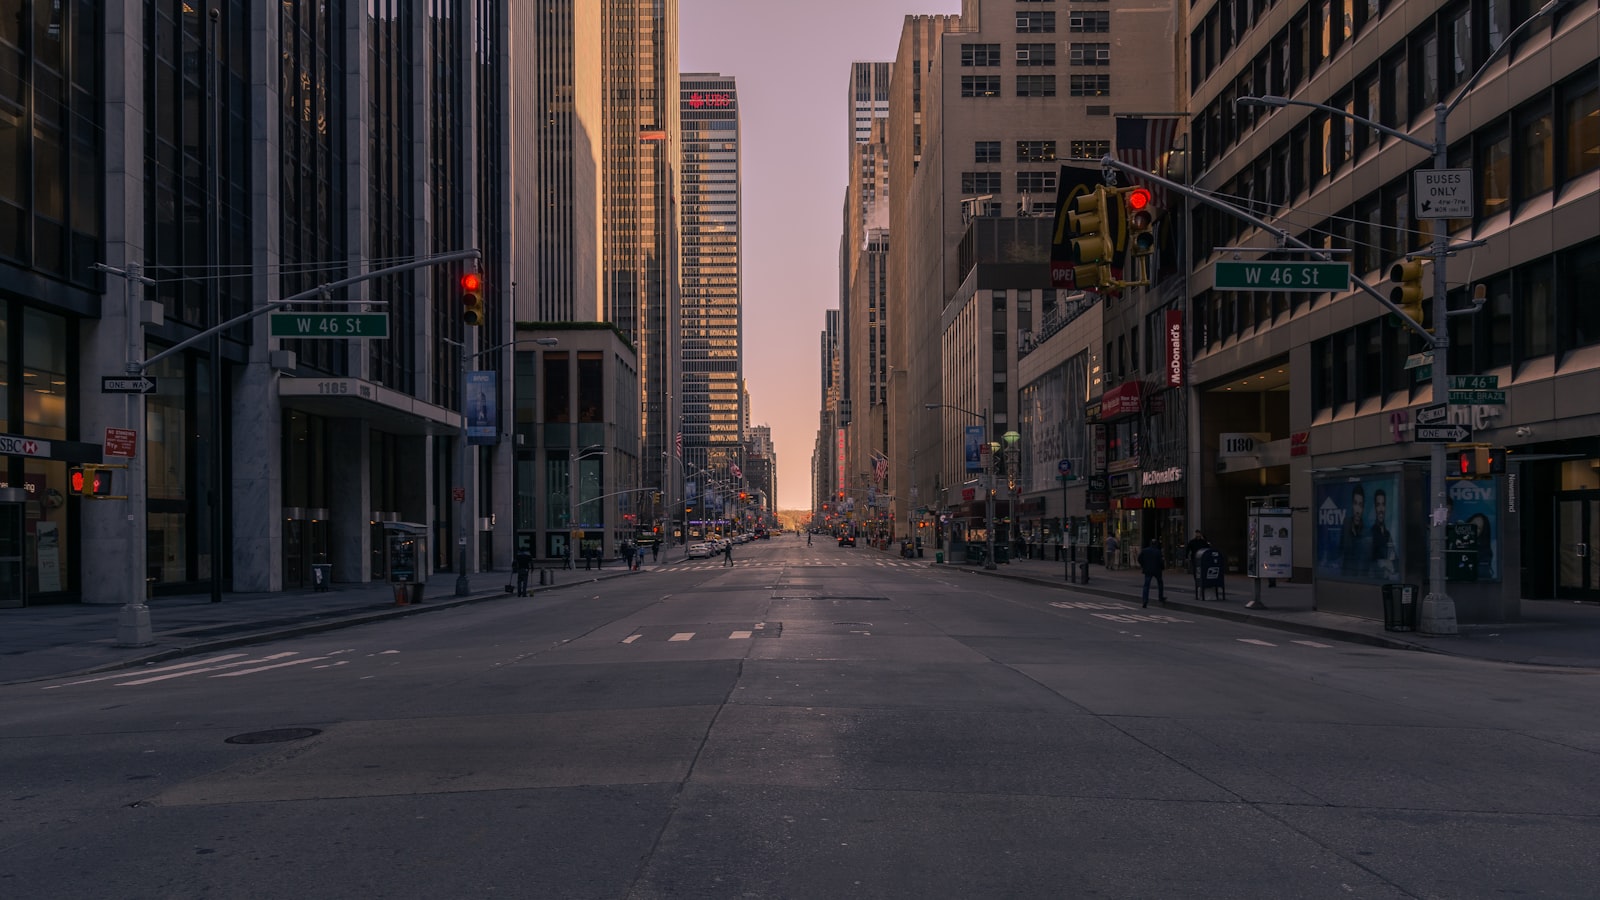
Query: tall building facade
[
  {"x": 1318, "y": 382},
  {"x": 711, "y": 346},
  {"x": 641, "y": 213}
]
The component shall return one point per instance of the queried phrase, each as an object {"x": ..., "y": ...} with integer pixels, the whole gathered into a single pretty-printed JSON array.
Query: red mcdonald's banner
[{"x": 1175, "y": 348}]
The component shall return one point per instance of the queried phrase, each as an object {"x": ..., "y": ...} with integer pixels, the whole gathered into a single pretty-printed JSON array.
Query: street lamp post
[
  {"x": 988, "y": 488},
  {"x": 589, "y": 452},
  {"x": 1438, "y": 611}
]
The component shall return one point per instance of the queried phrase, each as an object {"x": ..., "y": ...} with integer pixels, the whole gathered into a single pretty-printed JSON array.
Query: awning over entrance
[{"x": 353, "y": 398}]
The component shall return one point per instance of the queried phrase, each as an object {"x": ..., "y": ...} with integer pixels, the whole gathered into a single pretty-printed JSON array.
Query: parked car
[
  {"x": 847, "y": 540},
  {"x": 700, "y": 551}
]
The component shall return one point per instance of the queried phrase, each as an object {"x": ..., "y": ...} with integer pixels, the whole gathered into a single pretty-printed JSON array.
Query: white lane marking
[
  {"x": 681, "y": 636},
  {"x": 630, "y": 638},
  {"x": 231, "y": 665},
  {"x": 1256, "y": 642},
  {"x": 740, "y": 635},
  {"x": 187, "y": 665},
  {"x": 1084, "y": 604},
  {"x": 292, "y": 662},
  {"x": 1313, "y": 644},
  {"x": 387, "y": 652}
]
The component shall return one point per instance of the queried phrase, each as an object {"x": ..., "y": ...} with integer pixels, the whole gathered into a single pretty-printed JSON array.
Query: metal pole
[
  {"x": 1065, "y": 560},
  {"x": 1437, "y": 614},
  {"x": 216, "y": 310},
  {"x": 463, "y": 587},
  {"x": 988, "y": 495},
  {"x": 133, "y": 622}
]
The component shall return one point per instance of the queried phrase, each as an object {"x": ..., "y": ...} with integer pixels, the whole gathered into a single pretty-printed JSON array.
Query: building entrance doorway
[
  {"x": 1577, "y": 545},
  {"x": 13, "y": 544}
]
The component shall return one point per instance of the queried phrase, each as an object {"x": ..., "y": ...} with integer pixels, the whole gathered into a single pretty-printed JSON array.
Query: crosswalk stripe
[
  {"x": 740, "y": 635},
  {"x": 1314, "y": 644},
  {"x": 630, "y": 638},
  {"x": 229, "y": 665},
  {"x": 681, "y": 636},
  {"x": 292, "y": 662},
  {"x": 184, "y": 665},
  {"x": 1254, "y": 641}
]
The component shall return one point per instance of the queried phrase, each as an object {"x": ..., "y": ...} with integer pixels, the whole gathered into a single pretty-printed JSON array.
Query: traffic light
[
  {"x": 1407, "y": 290},
  {"x": 90, "y": 481},
  {"x": 1141, "y": 220},
  {"x": 1096, "y": 226},
  {"x": 472, "y": 298},
  {"x": 1497, "y": 460},
  {"x": 1472, "y": 462}
]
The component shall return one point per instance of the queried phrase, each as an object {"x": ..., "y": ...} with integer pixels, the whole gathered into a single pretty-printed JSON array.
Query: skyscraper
[{"x": 711, "y": 337}]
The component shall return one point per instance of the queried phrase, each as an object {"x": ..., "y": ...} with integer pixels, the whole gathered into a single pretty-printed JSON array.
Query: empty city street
[{"x": 813, "y": 721}]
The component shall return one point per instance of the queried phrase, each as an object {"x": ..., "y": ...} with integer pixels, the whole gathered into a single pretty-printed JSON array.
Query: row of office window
[
  {"x": 1039, "y": 151},
  {"x": 1544, "y": 145},
  {"x": 1037, "y": 85},
  {"x": 988, "y": 55},
  {"x": 974, "y": 183}
]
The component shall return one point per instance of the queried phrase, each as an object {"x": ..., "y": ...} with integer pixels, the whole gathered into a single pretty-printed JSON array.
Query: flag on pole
[
  {"x": 880, "y": 465},
  {"x": 1141, "y": 143},
  {"x": 680, "y": 443}
]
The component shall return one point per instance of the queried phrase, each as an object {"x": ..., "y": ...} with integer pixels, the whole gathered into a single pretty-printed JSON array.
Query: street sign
[
  {"x": 1481, "y": 398},
  {"x": 1425, "y": 358},
  {"x": 115, "y": 384},
  {"x": 121, "y": 442},
  {"x": 1064, "y": 468},
  {"x": 1451, "y": 434},
  {"x": 1474, "y": 382},
  {"x": 1443, "y": 193},
  {"x": 1233, "y": 275},
  {"x": 1431, "y": 415},
  {"x": 329, "y": 325},
  {"x": 1423, "y": 373}
]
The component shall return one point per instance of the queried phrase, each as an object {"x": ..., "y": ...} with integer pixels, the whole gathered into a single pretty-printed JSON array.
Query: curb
[{"x": 435, "y": 604}]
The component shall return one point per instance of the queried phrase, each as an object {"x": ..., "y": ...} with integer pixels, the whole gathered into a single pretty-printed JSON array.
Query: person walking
[
  {"x": 727, "y": 554},
  {"x": 522, "y": 564},
  {"x": 1191, "y": 556},
  {"x": 638, "y": 558},
  {"x": 655, "y": 551},
  {"x": 1151, "y": 564},
  {"x": 1111, "y": 551}
]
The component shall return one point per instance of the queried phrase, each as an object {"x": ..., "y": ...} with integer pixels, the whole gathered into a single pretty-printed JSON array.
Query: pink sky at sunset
[{"x": 792, "y": 62}]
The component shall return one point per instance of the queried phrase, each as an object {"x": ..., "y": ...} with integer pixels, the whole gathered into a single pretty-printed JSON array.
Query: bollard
[{"x": 542, "y": 574}]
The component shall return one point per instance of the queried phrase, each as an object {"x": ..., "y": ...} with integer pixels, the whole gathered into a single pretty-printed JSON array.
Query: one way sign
[
  {"x": 111, "y": 384},
  {"x": 1454, "y": 434}
]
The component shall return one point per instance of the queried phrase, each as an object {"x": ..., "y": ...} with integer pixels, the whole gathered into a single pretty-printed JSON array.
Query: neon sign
[{"x": 714, "y": 100}]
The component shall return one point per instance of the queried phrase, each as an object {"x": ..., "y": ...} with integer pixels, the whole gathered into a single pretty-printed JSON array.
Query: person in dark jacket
[
  {"x": 522, "y": 565},
  {"x": 1151, "y": 564}
]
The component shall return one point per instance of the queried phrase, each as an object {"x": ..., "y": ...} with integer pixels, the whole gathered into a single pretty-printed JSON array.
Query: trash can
[
  {"x": 321, "y": 575},
  {"x": 938, "y": 557},
  {"x": 1399, "y": 607}
]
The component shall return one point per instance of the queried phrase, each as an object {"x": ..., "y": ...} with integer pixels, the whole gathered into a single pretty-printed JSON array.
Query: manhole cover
[{"x": 274, "y": 736}]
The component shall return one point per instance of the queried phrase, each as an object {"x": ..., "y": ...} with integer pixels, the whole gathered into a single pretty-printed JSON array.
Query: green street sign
[
  {"x": 1232, "y": 275},
  {"x": 1482, "y": 398},
  {"x": 329, "y": 325},
  {"x": 1423, "y": 373},
  {"x": 1474, "y": 382}
]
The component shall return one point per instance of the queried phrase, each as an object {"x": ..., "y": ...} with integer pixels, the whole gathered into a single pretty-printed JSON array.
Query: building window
[
  {"x": 1536, "y": 150},
  {"x": 1091, "y": 85},
  {"x": 1036, "y": 85},
  {"x": 1090, "y": 55},
  {"x": 1036, "y": 22},
  {"x": 980, "y": 54},
  {"x": 1036, "y": 151},
  {"x": 1088, "y": 22},
  {"x": 1091, "y": 149},
  {"x": 1035, "y": 182},
  {"x": 1580, "y": 127},
  {"x": 973, "y": 183},
  {"x": 986, "y": 151},
  {"x": 1036, "y": 54},
  {"x": 980, "y": 85},
  {"x": 1494, "y": 168}
]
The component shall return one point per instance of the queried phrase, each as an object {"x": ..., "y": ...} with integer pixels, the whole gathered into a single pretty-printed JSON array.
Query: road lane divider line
[{"x": 185, "y": 665}]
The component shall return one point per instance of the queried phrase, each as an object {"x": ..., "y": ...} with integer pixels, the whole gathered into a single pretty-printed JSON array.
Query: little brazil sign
[{"x": 1232, "y": 275}]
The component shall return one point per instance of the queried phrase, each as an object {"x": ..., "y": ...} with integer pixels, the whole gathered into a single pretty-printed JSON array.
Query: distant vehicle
[
  {"x": 847, "y": 540},
  {"x": 700, "y": 551}
]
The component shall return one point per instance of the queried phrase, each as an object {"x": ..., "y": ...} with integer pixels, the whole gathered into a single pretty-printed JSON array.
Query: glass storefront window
[{"x": 167, "y": 474}]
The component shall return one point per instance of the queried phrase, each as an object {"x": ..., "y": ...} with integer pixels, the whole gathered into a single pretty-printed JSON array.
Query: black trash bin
[
  {"x": 321, "y": 576},
  {"x": 1399, "y": 607}
]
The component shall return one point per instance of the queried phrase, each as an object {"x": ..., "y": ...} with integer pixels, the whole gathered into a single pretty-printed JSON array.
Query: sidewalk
[
  {"x": 47, "y": 641},
  {"x": 1551, "y": 633}
]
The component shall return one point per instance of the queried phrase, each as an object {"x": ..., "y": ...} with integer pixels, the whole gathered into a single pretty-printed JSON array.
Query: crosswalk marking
[
  {"x": 184, "y": 665},
  {"x": 1084, "y": 604},
  {"x": 1256, "y": 642},
  {"x": 1314, "y": 644},
  {"x": 1137, "y": 617},
  {"x": 630, "y": 638},
  {"x": 740, "y": 635},
  {"x": 682, "y": 636},
  {"x": 292, "y": 662},
  {"x": 183, "y": 674}
]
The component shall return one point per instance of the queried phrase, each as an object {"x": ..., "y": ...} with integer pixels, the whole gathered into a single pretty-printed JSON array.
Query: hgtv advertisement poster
[{"x": 1359, "y": 535}]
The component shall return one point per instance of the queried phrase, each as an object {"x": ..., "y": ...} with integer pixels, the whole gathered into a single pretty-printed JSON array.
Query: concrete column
[{"x": 350, "y": 499}]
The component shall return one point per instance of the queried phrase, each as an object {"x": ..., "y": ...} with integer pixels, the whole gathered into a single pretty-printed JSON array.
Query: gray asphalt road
[{"x": 813, "y": 722}]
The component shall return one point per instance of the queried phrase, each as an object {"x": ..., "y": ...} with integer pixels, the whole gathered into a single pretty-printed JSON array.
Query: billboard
[
  {"x": 1358, "y": 537},
  {"x": 483, "y": 414},
  {"x": 974, "y": 448}
]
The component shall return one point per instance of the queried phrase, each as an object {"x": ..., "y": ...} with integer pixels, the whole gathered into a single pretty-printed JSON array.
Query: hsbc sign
[{"x": 13, "y": 445}]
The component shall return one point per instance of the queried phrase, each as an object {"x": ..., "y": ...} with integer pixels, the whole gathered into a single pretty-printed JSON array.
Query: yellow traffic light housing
[
  {"x": 472, "y": 298},
  {"x": 1097, "y": 225},
  {"x": 1140, "y": 208},
  {"x": 1407, "y": 290},
  {"x": 92, "y": 481}
]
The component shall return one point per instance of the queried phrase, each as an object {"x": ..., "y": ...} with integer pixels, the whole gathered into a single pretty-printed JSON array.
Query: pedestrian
[
  {"x": 522, "y": 564},
  {"x": 638, "y": 558},
  {"x": 1151, "y": 564},
  {"x": 1191, "y": 550},
  {"x": 1111, "y": 551},
  {"x": 655, "y": 551},
  {"x": 727, "y": 554}
]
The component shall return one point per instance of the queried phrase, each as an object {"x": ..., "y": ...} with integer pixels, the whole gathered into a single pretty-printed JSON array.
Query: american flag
[
  {"x": 1141, "y": 143},
  {"x": 880, "y": 465},
  {"x": 680, "y": 443}
]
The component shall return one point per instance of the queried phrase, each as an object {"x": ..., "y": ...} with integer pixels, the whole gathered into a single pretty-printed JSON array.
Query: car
[
  {"x": 847, "y": 540},
  {"x": 700, "y": 551}
]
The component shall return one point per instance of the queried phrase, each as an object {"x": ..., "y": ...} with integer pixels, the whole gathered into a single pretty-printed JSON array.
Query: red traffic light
[
  {"x": 77, "y": 481},
  {"x": 471, "y": 281},
  {"x": 1139, "y": 198}
]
